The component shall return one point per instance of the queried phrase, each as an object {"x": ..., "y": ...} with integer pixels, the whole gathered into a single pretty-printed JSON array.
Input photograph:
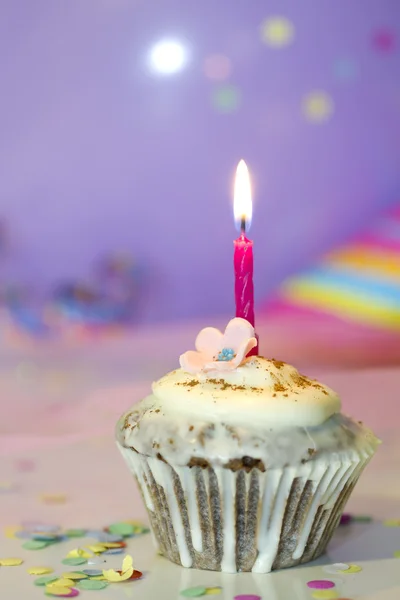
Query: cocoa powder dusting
[{"x": 278, "y": 387}]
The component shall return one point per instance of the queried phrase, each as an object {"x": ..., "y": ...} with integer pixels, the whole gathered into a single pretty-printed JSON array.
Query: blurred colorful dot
[
  {"x": 384, "y": 40},
  {"x": 277, "y": 32},
  {"x": 345, "y": 69},
  {"x": 217, "y": 67},
  {"x": 317, "y": 106},
  {"x": 226, "y": 98}
]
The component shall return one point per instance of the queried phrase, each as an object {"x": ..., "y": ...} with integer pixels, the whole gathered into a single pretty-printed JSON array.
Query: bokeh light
[
  {"x": 277, "y": 32},
  {"x": 168, "y": 56},
  {"x": 317, "y": 106},
  {"x": 217, "y": 67},
  {"x": 226, "y": 98},
  {"x": 345, "y": 69}
]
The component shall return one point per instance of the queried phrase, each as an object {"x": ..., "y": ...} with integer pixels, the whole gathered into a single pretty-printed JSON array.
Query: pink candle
[
  {"x": 243, "y": 248},
  {"x": 244, "y": 288}
]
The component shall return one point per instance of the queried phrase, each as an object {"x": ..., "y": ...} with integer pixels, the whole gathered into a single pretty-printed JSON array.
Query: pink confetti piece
[
  {"x": 320, "y": 584},
  {"x": 247, "y": 597},
  {"x": 25, "y": 465},
  {"x": 384, "y": 40}
]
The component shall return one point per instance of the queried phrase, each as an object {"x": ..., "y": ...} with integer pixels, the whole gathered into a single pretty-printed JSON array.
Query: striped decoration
[{"x": 360, "y": 282}]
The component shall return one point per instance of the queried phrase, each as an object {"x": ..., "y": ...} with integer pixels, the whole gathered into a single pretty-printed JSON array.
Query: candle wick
[{"x": 243, "y": 225}]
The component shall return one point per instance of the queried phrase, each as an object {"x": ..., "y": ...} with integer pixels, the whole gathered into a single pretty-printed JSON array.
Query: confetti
[
  {"x": 92, "y": 572},
  {"x": 336, "y": 568},
  {"x": 362, "y": 518},
  {"x": 345, "y": 69},
  {"x": 392, "y": 523},
  {"x": 40, "y": 570},
  {"x": 114, "y": 551},
  {"x": 277, "y": 32},
  {"x": 11, "y": 532},
  {"x": 75, "y": 533},
  {"x": 247, "y": 597},
  {"x": 90, "y": 584},
  {"x": 62, "y": 582},
  {"x": 10, "y": 562},
  {"x": 96, "y": 549},
  {"x": 123, "y": 529},
  {"x": 45, "y": 580},
  {"x": 384, "y": 40},
  {"x": 325, "y": 595},
  {"x": 318, "y": 107},
  {"x": 117, "y": 576},
  {"x": 98, "y": 578},
  {"x": 35, "y": 544},
  {"x": 109, "y": 538},
  {"x": 75, "y": 575},
  {"x": 53, "y": 498},
  {"x": 126, "y": 573},
  {"x": 7, "y": 487},
  {"x": 135, "y": 575},
  {"x": 345, "y": 519},
  {"x": 54, "y": 590},
  {"x": 194, "y": 592},
  {"x": 73, "y": 562},
  {"x": 396, "y": 554},
  {"x": 226, "y": 98},
  {"x": 211, "y": 591},
  {"x": 352, "y": 569},
  {"x": 320, "y": 584},
  {"x": 78, "y": 553}
]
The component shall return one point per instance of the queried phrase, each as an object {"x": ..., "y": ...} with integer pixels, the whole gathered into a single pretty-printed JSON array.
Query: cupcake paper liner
[{"x": 223, "y": 520}]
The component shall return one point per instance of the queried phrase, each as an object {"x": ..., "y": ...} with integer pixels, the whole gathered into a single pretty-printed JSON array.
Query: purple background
[{"x": 98, "y": 155}]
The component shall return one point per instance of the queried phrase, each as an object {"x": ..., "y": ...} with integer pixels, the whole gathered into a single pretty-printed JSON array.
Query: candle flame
[{"x": 242, "y": 204}]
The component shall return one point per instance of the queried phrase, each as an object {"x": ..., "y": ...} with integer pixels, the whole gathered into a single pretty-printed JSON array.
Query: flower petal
[
  {"x": 243, "y": 351},
  {"x": 237, "y": 331},
  {"x": 192, "y": 361},
  {"x": 209, "y": 342}
]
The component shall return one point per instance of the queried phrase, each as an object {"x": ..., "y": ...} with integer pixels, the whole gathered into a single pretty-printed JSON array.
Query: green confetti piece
[
  {"x": 90, "y": 584},
  {"x": 124, "y": 529},
  {"x": 45, "y": 580},
  {"x": 75, "y": 533},
  {"x": 73, "y": 562},
  {"x": 194, "y": 592},
  {"x": 35, "y": 544},
  {"x": 361, "y": 518},
  {"x": 396, "y": 553}
]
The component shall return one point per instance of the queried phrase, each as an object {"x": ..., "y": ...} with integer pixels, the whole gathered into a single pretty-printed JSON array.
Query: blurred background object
[{"x": 122, "y": 123}]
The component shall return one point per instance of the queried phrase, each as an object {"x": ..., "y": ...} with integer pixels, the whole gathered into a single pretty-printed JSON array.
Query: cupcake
[{"x": 243, "y": 463}]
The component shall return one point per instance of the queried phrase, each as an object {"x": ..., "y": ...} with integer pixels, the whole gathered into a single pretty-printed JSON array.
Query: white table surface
[{"x": 58, "y": 411}]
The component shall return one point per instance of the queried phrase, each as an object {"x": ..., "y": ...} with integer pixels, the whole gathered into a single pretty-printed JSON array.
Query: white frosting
[
  {"x": 271, "y": 393},
  {"x": 263, "y": 410}
]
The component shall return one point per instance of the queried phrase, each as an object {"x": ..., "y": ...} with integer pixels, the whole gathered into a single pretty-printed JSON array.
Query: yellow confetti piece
[
  {"x": 10, "y": 562},
  {"x": 115, "y": 577},
  {"x": 98, "y": 578},
  {"x": 40, "y": 570},
  {"x": 10, "y": 532},
  {"x": 352, "y": 569},
  {"x": 59, "y": 590},
  {"x": 53, "y": 498},
  {"x": 277, "y": 32},
  {"x": 127, "y": 563},
  {"x": 78, "y": 553},
  {"x": 325, "y": 595},
  {"x": 392, "y": 523},
  {"x": 317, "y": 106},
  {"x": 62, "y": 582},
  {"x": 96, "y": 548},
  {"x": 213, "y": 591},
  {"x": 74, "y": 576},
  {"x": 111, "y": 544},
  {"x": 396, "y": 553}
]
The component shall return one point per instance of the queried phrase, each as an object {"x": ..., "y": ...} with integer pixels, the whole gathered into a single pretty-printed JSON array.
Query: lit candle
[{"x": 243, "y": 247}]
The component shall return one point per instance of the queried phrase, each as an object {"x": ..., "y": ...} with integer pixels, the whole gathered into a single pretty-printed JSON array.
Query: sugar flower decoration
[{"x": 216, "y": 351}]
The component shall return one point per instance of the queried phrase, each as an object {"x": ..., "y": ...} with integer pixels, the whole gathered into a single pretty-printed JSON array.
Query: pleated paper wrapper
[{"x": 223, "y": 520}]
